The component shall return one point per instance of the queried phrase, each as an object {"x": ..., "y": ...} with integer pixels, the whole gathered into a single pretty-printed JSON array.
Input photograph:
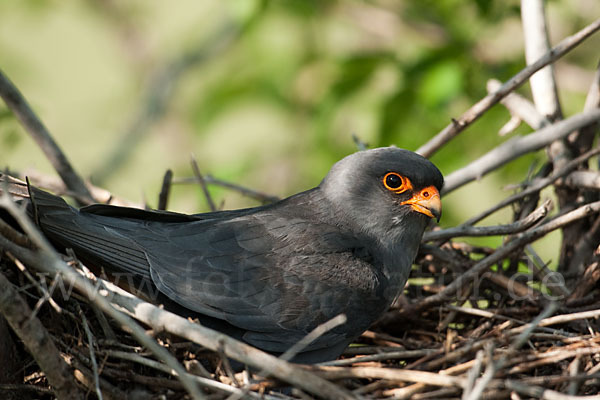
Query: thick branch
[
  {"x": 582, "y": 140},
  {"x": 583, "y": 179},
  {"x": 537, "y": 44}
]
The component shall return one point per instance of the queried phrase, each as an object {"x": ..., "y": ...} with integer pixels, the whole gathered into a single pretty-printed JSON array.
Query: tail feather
[
  {"x": 90, "y": 236},
  {"x": 116, "y": 254}
]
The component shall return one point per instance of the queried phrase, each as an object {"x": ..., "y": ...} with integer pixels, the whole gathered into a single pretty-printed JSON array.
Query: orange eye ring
[{"x": 395, "y": 182}]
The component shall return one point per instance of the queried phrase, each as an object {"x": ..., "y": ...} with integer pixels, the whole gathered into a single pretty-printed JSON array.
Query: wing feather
[{"x": 270, "y": 274}]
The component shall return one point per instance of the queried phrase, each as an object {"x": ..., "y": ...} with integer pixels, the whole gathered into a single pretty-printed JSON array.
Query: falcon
[{"x": 271, "y": 274}]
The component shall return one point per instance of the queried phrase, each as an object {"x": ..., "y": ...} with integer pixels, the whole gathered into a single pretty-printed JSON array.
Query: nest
[{"x": 498, "y": 333}]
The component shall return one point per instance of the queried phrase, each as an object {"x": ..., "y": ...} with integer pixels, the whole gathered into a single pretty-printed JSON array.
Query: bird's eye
[{"x": 395, "y": 182}]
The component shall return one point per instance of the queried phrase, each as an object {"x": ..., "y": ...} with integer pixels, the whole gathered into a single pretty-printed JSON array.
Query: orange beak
[{"x": 427, "y": 202}]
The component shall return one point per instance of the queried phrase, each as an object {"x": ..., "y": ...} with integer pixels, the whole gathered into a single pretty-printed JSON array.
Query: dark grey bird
[{"x": 269, "y": 275}]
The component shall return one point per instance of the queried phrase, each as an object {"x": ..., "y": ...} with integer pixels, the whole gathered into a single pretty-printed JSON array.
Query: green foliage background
[{"x": 276, "y": 105}]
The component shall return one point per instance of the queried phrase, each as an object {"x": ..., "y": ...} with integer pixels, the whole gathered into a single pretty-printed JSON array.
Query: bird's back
[{"x": 270, "y": 274}]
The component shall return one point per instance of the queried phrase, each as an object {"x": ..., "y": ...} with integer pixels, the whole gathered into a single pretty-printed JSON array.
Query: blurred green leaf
[
  {"x": 355, "y": 71},
  {"x": 441, "y": 83}
]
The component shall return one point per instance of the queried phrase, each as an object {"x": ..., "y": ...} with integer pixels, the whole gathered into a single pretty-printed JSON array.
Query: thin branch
[
  {"x": 381, "y": 356},
  {"x": 13, "y": 186},
  {"x": 86, "y": 377},
  {"x": 552, "y": 279},
  {"x": 583, "y": 250},
  {"x": 37, "y": 340},
  {"x": 359, "y": 143},
  {"x": 583, "y": 139},
  {"x": 403, "y": 375},
  {"x": 532, "y": 361},
  {"x": 162, "y": 320},
  {"x": 586, "y": 282},
  {"x": 508, "y": 229},
  {"x": 539, "y": 392},
  {"x": 48, "y": 260},
  {"x": 163, "y": 197},
  {"x": 88, "y": 334},
  {"x": 38, "y": 131},
  {"x": 519, "y": 106},
  {"x": 206, "y": 382},
  {"x": 592, "y": 99},
  {"x": 515, "y": 287},
  {"x": 253, "y": 194},
  {"x": 481, "y": 313},
  {"x": 506, "y": 249},
  {"x": 480, "y": 383},
  {"x": 17, "y": 237},
  {"x": 488, "y": 101},
  {"x": 290, "y": 353},
  {"x": 574, "y": 368},
  {"x": 561, "y": 319},
  {"x": 46, "y": 296},
  {"x": 516, "y": 147},
  {"x": 510, "y": 126},
  {"x": 160, "y": 91},
  {"x": 312, "y": 336},
  {"x": 536, "y": 186},
  {"x": 25, "y": 388},
  {"x": 495, "y": 365},
  {"x": 473, "y": 374},
  {"x": 200, "y": 180},
  {"x": 56, "y": 186}
]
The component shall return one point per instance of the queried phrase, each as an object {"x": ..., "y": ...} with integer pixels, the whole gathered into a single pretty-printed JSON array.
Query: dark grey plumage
[{"x": 268, "y": 275}]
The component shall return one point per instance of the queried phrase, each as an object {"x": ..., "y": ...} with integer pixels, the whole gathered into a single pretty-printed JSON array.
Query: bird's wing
[
  {"x": 94, "y": 238},
  {"x": 276, "y": 277}
]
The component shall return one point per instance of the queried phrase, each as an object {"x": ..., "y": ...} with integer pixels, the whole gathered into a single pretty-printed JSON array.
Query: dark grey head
[{"x": 385, "y": 192}]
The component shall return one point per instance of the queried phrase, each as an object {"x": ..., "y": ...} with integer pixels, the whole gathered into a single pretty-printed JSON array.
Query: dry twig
[
  {"x": 488, "y": 101},
  {"x": 20, "y": 107},
  {"x": 517, "y": 146},
  {"x": 37, "y": 340},
  {"x": 47, "y": 260}
]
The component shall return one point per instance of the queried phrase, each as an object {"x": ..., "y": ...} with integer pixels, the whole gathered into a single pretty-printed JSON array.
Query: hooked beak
[{"x": 427, "y": 201}]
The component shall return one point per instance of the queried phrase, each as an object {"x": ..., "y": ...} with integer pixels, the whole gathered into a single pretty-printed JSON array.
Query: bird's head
[{"x": 385, "y": 192}]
